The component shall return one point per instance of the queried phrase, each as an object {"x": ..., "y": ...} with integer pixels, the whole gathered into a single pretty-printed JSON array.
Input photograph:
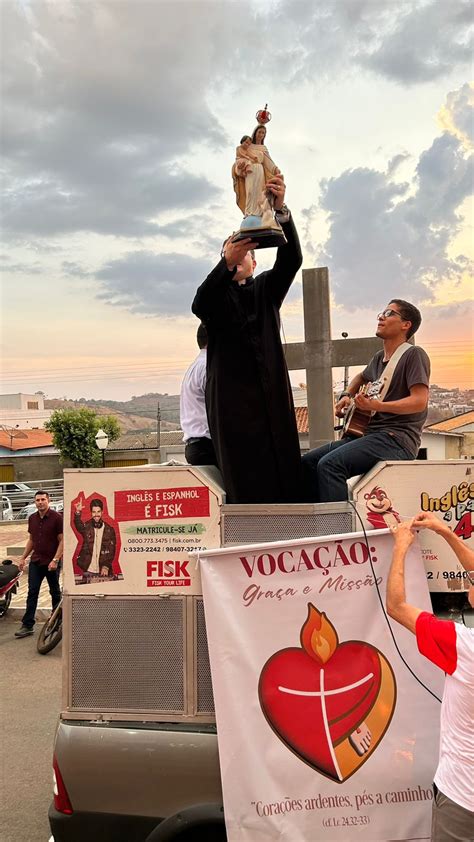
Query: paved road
[{"x": 30, "y": 695}]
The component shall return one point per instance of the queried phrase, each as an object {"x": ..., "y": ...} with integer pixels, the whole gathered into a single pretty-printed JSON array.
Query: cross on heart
[{"x": 329, "y": 702}]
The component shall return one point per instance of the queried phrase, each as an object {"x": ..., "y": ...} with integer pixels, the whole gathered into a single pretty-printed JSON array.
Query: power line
[
  {"x": 171, "y": 367},
  {"x": 112, "y": 367}
]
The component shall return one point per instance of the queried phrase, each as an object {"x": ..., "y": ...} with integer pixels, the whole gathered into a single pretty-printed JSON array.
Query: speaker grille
[
  {"x": 260, "y": 528},
  {"x": 205, "y": 699},
  {"x": 147, "y": 657},
  {"x": 128, "y": 654}
]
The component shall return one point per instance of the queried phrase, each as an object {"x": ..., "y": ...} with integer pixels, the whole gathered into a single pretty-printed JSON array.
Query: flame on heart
[{"x": 318, "y": 636}]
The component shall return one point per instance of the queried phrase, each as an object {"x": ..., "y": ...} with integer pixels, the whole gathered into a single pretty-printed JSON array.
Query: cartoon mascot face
[{"x": 377, "y": 501}]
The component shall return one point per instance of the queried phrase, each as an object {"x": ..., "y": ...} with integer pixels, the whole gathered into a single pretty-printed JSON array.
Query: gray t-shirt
[{"x": 411, "y": 369}]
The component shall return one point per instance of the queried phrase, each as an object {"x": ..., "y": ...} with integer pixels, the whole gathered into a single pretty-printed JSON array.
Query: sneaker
[{"x": 24, "y": 631}]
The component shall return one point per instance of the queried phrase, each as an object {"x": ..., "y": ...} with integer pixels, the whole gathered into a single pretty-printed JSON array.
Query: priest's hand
[
  {"x": 235, "y": 253},
  {"x": 276, "y": 186}
]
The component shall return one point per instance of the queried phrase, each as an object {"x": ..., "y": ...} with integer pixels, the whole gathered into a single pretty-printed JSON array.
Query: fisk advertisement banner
[
  {"x": 130, "y": 532},
  {"x": 327, "y": 722},
  {"x": 396, "y": 491}
]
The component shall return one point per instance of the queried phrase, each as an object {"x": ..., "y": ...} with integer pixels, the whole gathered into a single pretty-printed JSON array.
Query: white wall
[
  {"x": 25, "y": 419},
  {"x": 435, "y": 444},
  {"x": 20, "y": 400}
]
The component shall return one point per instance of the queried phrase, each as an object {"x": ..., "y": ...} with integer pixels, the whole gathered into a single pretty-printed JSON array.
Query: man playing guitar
[{"x": 395, "y": 419}]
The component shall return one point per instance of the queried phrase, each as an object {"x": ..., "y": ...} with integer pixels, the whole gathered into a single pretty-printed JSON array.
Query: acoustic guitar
[{"x": 355, "y": 421}]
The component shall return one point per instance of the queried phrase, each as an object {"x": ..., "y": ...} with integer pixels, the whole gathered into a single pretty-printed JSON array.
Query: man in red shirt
[
  {"x": 45, "y": 543},
  {"x": 449, "y": 646}
]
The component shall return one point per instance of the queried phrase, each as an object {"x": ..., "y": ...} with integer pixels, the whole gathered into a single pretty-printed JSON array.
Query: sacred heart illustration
[{"x": 329, "y": 702}]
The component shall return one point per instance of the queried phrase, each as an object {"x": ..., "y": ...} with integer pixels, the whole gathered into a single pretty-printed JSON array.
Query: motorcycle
[
  {"x": 52, "y": 631},
  {"x": 9, "y": 577}
]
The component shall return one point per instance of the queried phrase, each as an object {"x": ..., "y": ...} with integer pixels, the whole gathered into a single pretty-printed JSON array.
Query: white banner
[{"x": 324, "y": 734}]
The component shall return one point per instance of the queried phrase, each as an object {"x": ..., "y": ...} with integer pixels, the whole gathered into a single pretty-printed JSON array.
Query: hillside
[{"x": 134, "y": 415}]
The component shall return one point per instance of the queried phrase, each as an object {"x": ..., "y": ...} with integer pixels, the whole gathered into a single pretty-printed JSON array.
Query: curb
[{"x": 16, "y": 613}]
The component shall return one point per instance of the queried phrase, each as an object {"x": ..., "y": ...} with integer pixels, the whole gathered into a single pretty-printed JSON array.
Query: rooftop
[
  {"x": 25, "y": 439},
  {"x": 451, "y": 424},
  {"x": 301, "y": 413}
]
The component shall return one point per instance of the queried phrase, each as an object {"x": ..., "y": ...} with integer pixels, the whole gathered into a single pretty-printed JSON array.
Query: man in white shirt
[
  {"x": 199, "y": 449},
  {"x": 450, "y": 646}
]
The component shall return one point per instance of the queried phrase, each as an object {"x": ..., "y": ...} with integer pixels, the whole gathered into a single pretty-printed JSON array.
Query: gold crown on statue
[{"x": 263, "y": 116}]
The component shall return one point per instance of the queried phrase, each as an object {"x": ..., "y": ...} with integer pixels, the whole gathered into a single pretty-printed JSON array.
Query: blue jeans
[
  {"x": 327, "y": 469},
  {"x": 36, "y": 574}
]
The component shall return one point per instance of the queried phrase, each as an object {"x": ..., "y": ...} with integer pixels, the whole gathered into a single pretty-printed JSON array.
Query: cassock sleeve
[
  {"x": 289, "y": 259},
  {"x": 210, "y": 296}
]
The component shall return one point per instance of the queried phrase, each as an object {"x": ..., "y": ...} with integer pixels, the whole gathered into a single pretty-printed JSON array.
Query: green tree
[{"x": 74, "y": 432}]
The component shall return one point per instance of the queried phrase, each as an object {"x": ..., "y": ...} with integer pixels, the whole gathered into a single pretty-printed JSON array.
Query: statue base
[{"x": 264, "y": 238}]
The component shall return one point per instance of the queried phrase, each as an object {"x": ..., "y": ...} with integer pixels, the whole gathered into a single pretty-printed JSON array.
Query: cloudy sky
[{"x": 120, "y": 121}]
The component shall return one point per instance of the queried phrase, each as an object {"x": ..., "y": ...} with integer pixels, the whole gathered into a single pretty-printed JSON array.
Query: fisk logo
[{"x": 169, "y": 573}]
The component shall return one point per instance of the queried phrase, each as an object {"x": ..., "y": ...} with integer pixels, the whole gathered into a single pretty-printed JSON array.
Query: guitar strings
[{"x": 387, "y": 619}]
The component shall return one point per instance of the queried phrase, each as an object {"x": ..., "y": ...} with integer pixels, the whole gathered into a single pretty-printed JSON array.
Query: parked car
[
  {"x": 6, "y": 511},
  {"x": 19, "y": 493},
  {"x": 25, "y": 512},
  {"x": 30, "y": 509}
]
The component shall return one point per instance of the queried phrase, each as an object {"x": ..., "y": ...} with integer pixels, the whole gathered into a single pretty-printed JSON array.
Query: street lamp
[
  {"x": 102, "y": 441},
  {"x": 346, "y": 367}
]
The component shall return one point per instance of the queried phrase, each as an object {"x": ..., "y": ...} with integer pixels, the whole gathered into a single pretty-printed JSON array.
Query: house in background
[
  {"x": 302, "y": 425},
  {"x": 436, "y": 444},
  {"x": 134, "y": 448},
  {"x": 146, "y": 448},
  {"x": 27, "y": 455},
  {"x": 450, "y": 439},
  {"x": 440, "y": 444},
  {"x": 460, "y": 427},
  {"x": 172, "y": 446},
  {"x": 24, "y": 412}
]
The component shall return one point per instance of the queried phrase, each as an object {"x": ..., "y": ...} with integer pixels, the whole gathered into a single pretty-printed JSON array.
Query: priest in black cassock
[{"x": 248, "y": 394}]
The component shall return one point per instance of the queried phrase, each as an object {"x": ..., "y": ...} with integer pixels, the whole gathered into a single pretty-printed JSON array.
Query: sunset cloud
[
  {"x": 394, "y": 236},
  {"x": 119, "y": 127}
]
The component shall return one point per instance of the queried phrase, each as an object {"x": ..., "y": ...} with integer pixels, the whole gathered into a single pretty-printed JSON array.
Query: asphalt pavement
[{"x": 30, "y": 700}]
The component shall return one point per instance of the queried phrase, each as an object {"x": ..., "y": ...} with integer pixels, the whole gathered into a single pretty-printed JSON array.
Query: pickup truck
[
  {"x": 126, "y": 779},
  {"x": 136, "y": 753}
]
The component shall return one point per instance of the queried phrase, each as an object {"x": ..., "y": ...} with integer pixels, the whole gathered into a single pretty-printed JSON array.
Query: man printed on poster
[{"x": 97, "y": 551}]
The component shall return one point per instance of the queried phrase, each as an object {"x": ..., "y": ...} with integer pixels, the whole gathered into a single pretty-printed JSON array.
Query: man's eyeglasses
[{"x": 386, "y": 313}]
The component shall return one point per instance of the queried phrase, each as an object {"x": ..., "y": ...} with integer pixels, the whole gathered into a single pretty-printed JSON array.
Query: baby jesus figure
[{"x": 244, "y": 158}]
